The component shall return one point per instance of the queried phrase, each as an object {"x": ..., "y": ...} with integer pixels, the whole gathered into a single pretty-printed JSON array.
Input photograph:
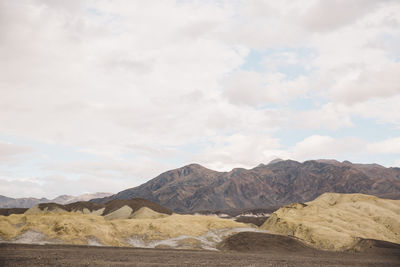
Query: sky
[{"x": 101, "y": 95}]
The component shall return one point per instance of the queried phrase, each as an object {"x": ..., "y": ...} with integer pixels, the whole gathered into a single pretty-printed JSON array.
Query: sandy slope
[
  {"x": 337, "y": 221},
  {"x": 146, "y": 213},
  {"x": 74, "y": 228}
]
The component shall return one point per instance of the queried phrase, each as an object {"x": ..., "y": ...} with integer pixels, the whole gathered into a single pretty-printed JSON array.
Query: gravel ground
[{"x": 67, "y": 255}]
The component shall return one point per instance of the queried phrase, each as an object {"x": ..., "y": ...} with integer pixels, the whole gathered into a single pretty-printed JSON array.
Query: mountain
[
  {"x": 7, "y": 202},
  {"x": 66, "y": 199},
  {"x": 194, "y": 187}
]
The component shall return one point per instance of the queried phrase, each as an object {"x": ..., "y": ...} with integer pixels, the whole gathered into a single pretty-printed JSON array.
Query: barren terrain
[
  {"x": 338, "y": 221},
  {"x": 358, "y": 230},
  {"x": 66, "y": 255}
]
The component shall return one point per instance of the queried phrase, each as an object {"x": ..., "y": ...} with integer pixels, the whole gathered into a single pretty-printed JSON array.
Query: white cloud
[
  {"x": 255, "y": 88},
  {"x": 55, "y": 185},
  {"x": 118, "y": 77},
  {"x": 388, "y": 146},
  {"x": 384, "y": 111},
  {"x": 21, "y": 187},
  {"x": 300, "y": 58},
  {"x": 150, "y": 85},
  {"x": 131, "y": 171},
  {"x": 335, "y": 116},
  {"x": 326, "y": 147},
  {"x": 10, "y": 153},
  {"x": 103, "y": 70},
  {"x": 329, "y": 116},
  {"x": 365, "y": 84},
  {"x": 239, "y": 150},
  {"x": 249, "y": 151},
  {"x": 352, "y": 64},
  {"x": 330, "y": 15}
]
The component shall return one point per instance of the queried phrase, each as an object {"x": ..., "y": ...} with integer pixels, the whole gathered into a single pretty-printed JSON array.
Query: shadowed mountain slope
[{"x": 193, "y": 187}]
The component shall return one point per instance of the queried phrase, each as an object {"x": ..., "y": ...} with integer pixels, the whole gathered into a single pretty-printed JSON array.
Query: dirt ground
[{"x": 66, "y": 255}]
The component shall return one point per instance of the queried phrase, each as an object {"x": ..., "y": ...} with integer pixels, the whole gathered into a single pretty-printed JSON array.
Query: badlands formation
[
  {"x": 136, "y": 223},
  {"x": 338, "y": 221}
]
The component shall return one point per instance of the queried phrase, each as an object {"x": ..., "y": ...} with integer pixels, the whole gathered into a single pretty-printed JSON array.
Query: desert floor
[{"x": 68, "y": 255}]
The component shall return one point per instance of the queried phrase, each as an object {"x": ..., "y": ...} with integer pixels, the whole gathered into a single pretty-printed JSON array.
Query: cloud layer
[{"x": 107, "y": 94}]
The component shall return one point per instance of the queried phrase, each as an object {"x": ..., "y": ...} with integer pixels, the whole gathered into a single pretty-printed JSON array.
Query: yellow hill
[
  {"x": 121, "y": 213},
  {"x": 74, "y": 228},
  {"x": 146, "y": 213},
  {"x": 337, "y": 221}
]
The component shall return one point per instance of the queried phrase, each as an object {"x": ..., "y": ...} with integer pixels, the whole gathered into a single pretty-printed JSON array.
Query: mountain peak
[
  {"x": 194, "y": 166},
  {"x": 273, "y": 161}
]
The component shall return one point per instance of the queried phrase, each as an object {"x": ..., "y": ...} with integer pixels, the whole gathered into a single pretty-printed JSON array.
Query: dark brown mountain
[{"x": 194, "y": 187}]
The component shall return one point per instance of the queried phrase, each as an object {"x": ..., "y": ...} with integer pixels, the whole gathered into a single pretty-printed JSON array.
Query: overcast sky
[{"x": 105, "y": 95}]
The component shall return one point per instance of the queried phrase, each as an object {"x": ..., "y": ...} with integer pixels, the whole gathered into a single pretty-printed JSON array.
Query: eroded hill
[
  {"x": 339, "y": 221},
  {"x": 145, "y": 228}
]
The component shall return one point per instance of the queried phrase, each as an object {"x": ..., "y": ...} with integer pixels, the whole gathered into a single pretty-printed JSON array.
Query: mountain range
[
  {"x": 7, "y": 202},
  {"x": 195, "y": 188}
]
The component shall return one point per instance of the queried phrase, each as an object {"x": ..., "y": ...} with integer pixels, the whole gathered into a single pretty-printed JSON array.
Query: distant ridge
[
  {"x": 196, "y": 188},
  {"x": 7, "y": 202}
]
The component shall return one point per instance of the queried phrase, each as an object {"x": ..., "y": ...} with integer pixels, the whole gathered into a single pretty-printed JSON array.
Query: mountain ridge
[
  {"x": 28, "y": 202},
  {"x": 194, "y": 187}
]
